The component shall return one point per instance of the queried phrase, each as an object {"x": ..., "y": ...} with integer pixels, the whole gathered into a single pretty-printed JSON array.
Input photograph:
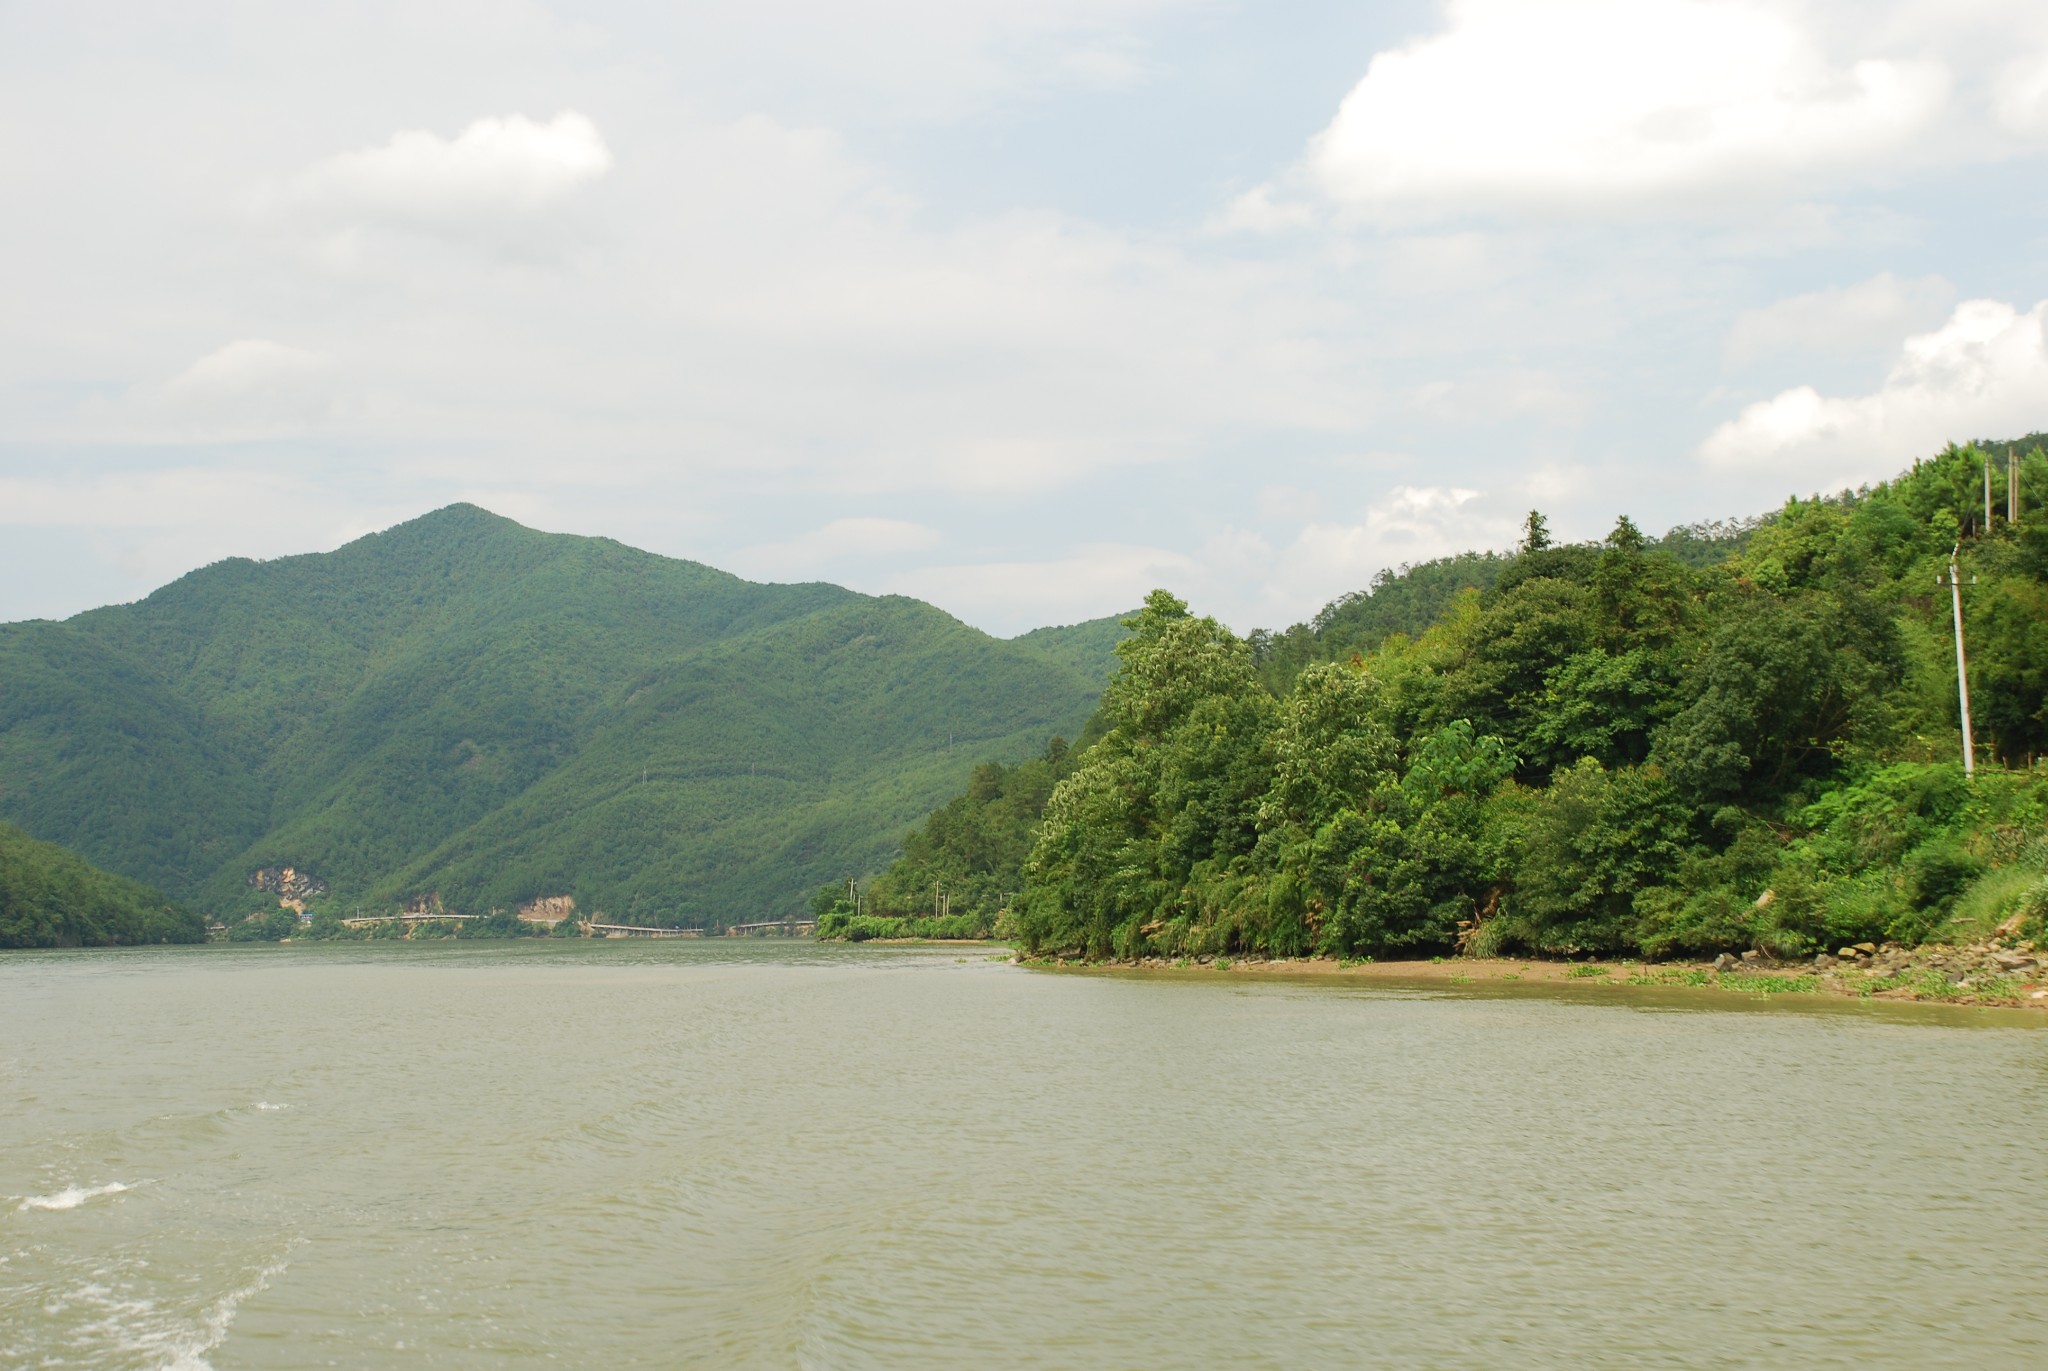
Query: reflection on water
[{"x": 785, "y": 1155}]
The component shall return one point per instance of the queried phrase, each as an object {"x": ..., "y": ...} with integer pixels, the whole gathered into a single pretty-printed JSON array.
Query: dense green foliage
[
  {"x": 53, "y": 898},
  {"x": 1738, "y": 736},
  {"x": 1406, "y": 600},
  {"x": 961, "y": 867},
  {"x": 466, "y": 708},
  {"x": 840, "y": 922}
]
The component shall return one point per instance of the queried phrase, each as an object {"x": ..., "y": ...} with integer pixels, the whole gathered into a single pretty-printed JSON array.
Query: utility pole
[
  {"x": 1987, "y": 493},
  {"x": 1955, "y": 585}
]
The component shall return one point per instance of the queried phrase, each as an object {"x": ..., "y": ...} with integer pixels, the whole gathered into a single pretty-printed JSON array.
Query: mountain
[
  {"x": 53, "y": 898},
  {"x": 466, "y": 709}
]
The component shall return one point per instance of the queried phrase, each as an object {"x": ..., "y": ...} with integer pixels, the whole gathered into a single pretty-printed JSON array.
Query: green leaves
[
  {"x": 1712, "y": 741},
  {"x": 1777, "y": 692},
  {"x": 1591, "y": 842}
]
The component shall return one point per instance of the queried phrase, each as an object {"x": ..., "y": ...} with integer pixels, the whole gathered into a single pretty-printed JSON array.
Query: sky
[{"x": 1019, "y": 308}]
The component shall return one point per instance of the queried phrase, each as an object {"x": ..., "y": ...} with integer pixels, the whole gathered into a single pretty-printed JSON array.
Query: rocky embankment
[{"x": 2003, "y": 970}]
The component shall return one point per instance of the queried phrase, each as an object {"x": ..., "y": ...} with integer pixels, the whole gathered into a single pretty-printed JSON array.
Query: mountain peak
[{"x": 458, "y": 518}]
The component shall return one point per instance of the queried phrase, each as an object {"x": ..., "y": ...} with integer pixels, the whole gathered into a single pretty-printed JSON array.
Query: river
[{"x": 769, "y": 1154}]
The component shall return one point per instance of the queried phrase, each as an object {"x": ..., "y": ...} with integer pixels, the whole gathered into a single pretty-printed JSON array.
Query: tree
[
  {"x": 1776, "y": 693},
  {"x": 1168, "y": 796},
  {"x": 1591, "y": 843}
]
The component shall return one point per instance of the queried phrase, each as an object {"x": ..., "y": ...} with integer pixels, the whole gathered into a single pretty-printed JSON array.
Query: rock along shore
[{"x": 2001, "y": 971}]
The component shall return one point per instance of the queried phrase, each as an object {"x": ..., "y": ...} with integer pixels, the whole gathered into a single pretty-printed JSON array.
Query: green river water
[{"x": 762, "y": 1154}]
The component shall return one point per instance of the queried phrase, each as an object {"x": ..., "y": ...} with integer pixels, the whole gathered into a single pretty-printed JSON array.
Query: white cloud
[
  {"x": 1431, "y": 264},
  {"x": 1256, "y": 211},
  {"x": 1100, "y": 66},
  {"x": 1982, "y": 374},
  {"x": 905, "y": 61},
  {"x": 2020, "y": 95},
  {"x": 1488, "y": 398},
  {"x": 252, "y": 387},
  {"x": 1870, "y": 313},
  {"x": 838, "y": 540},
  {"x": 1089, "y": 582},
  {"x": 497, "y": 166},
  {"x": 153, "y": 524},
  {"x": 1590, "y": 104},
  {"x": 247, "y": 366},
  {"x": 1407, "y": 523},
  {"x": 782, "y": 301},
  {"x": 1288, "y": 504},
  {"x": 1328, "y": 558}
]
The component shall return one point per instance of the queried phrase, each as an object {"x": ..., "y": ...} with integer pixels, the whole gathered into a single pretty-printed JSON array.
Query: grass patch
[
  {"x": 1691, "y": 976},
  {"x": 1989, "y": 901},
  {"x": 1925, "y": 983},
  {"x": 1583, "y": 972},
  {"x": 1769, "y": 985}
]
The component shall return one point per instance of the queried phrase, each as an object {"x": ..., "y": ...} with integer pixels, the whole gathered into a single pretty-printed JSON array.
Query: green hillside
[
  {"x": 1089, "y": 648},
  {"x": 53, "y": 898},
  {"x": 1740, "y": 736},
  {"x": 465, "y": 708}
]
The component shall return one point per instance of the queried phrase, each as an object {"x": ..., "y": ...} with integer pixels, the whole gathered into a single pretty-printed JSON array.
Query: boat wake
[{"x": 186, "y": 1349}]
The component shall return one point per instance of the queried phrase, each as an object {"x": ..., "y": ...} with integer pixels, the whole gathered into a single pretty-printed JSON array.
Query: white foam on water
[
  {"x": 266, "y": 1104},
  {"x": 72, "y": 1196},
  {"x": 186, "y": 1349}
]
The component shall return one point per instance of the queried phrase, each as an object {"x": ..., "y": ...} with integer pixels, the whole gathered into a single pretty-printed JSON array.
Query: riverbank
[
  {"x": 990, "y": 944},
  {"x": 1998, "y": 973}
]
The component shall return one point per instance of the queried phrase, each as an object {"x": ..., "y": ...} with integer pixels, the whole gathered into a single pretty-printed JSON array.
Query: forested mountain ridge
[
  {"x": 1741, "y": 736},
  {"x": 465, "y": 708}
]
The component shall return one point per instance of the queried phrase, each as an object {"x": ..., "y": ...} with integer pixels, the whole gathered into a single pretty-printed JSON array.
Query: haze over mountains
[{"x": 466, "y": 708}]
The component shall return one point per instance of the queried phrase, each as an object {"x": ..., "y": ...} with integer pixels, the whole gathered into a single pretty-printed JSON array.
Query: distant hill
[
  {"x": 466, "y": 709},
  {"x": 1089, "y": 647},
  {"x": 53, "y": 898}
]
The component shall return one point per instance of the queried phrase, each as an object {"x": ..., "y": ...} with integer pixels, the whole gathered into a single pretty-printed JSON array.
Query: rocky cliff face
[
  {"x": 287, "y": 883},
  {"x": 548, "y": 909}
]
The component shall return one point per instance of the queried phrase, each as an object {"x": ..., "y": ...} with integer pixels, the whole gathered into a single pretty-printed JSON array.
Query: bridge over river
[{"x": 792, "y": 928}]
